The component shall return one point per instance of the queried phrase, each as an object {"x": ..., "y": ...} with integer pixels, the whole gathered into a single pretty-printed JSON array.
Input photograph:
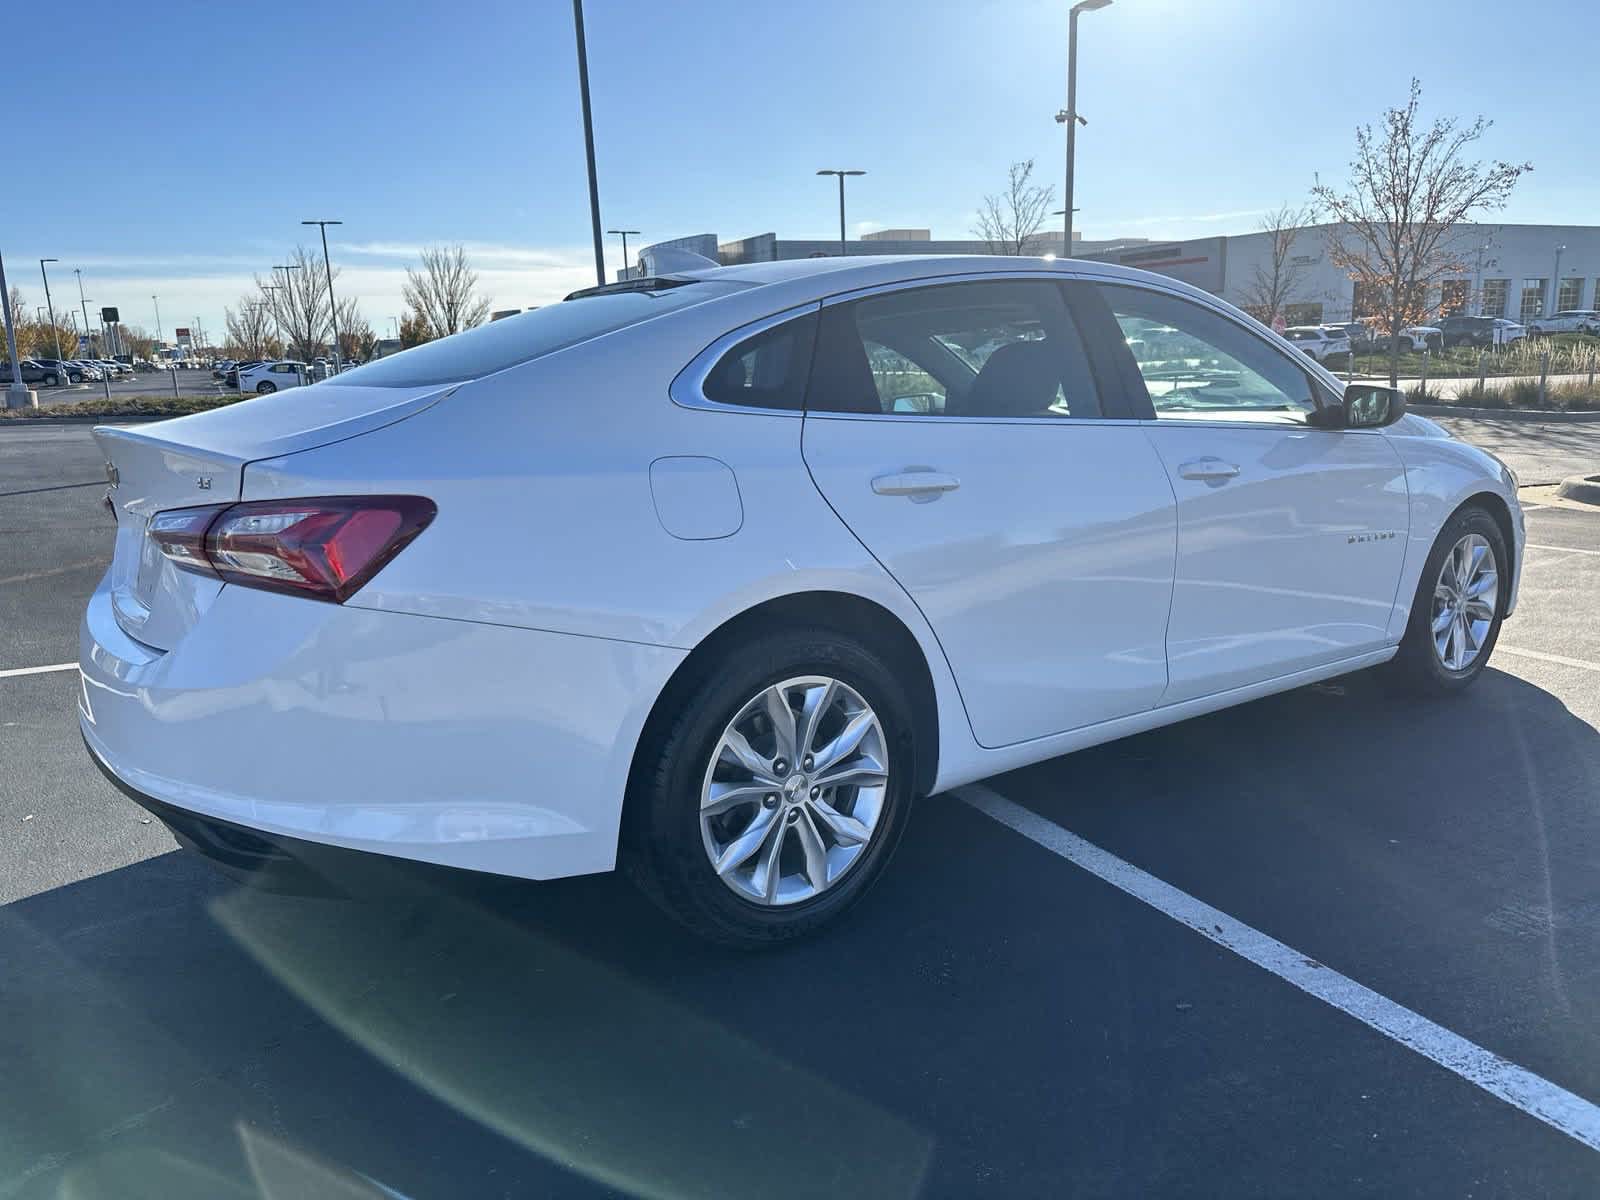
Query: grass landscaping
[
  {"x": 124, "y": 406},
  {"x": 1570, "y": 354},
  {"x": 1517, "y": 395}
]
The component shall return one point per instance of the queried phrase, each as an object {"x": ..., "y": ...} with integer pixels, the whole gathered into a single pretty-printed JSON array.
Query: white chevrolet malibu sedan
[{"x": 712, "y": 573}]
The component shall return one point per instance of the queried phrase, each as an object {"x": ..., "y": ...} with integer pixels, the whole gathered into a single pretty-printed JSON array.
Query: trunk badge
[{"x": 204, "y": 483}]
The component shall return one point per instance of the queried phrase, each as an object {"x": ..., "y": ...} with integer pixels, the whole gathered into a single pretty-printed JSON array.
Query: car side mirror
[{"x": 1365, "y": 406}]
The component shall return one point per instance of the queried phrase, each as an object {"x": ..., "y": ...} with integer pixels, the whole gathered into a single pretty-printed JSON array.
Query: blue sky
[{"x": 422, "y": 122}]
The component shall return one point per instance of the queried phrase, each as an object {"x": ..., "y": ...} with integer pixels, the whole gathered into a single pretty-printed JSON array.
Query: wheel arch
[
  {"x": 843, "y": 612},
  {"x": 1495, "y": 505}
]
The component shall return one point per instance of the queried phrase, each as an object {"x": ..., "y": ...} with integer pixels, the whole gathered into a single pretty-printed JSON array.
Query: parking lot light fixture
[
  {"x": 49, "y": 304},
  {"x": 626, "y": 264},
  {"x": 82, "y": 301},
  {"x": 1069, "y": 115},
  {"x": 17, "y": 395},
  {"x": 157, "y": 303},
  {"x": 333, "y": 308},
  {"x": 843, "y": 249}
]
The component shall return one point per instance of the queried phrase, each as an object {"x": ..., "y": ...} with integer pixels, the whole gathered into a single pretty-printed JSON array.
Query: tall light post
[
  {"x": 1477, "y": 280},
  {"x": 588, "y": 144},
  {"x": 1555, "y": 281},
  {"x": 333, "y": 308},
  {"x": 1069, "y": 115},
  {"x": 843, "y": 249},
  {"x": 627, "y": 263},
  {"x": 277, "y": 322},
  {"x": 157, "y": 303},
  {"x": 82, "y": 301},
  {"x": 49, "y": 304},
  {"x": 17, "y": 394},
  {"x": 288, "y": 300}
]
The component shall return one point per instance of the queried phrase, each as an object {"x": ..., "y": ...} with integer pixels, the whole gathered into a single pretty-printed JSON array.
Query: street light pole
[
  {"x": 289, "y": 301},
  {"x": 333, "y": 308},
  {"x": 1555, "y": 281},
  {"x": 843, "y": 248},
  {"x": 157, "y": 303},
  {"x": 82, "y": 301},
  {"x": 50, "y": 305},
  {"x": 277, "y": 321},
  {"x": 17, "y": 395},
  {"x": 1069, "y": 115},
  {"x": 627, "y": 263},
  {"x": 588, "y": 144}
]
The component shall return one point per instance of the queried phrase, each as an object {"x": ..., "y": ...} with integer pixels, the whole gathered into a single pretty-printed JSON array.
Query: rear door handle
[
  {"x": 1208, "y": 468},
  {"x": 918, "y": 485}
]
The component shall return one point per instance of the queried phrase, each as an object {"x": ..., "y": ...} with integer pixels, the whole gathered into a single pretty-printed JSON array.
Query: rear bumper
[{"x": 278, "y": 720}]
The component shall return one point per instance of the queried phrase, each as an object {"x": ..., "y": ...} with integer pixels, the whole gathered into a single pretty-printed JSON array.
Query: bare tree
[
  {"x": 1274, "y": 283},
  {"x": 354, "y": 331},
  {"x": 1397, "y": 219},
  {"x": 1010, "y": 222},
  {"x": 444, "y": 293},
  {"x": 250, "y": 328},
  {"x": 300, "y": 304}
]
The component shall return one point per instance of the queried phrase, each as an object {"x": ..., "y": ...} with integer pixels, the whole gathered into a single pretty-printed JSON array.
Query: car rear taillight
[{"x": 325, "y": 547}]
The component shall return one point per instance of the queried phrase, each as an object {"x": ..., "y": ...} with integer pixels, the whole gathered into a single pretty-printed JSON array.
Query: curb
[
  {"x": 1583, "y": 488},
  {"x": 1504, "y": 414}
]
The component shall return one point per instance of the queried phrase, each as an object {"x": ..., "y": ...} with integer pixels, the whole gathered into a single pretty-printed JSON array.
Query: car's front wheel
[
  {"x": 52, "y": 381},
  {"x": 266, "y": 387},
  {"x": 1459, "y": 605},
  {"x": 774, "y": 792}
]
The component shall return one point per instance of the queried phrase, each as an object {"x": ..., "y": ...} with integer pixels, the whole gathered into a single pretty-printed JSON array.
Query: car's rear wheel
[
  {"x": 1459, "y": 605},
  {"x": 773, "y": 795},
  {"x": 52, "y": 380},
  {"x": 266, "y": 387}
]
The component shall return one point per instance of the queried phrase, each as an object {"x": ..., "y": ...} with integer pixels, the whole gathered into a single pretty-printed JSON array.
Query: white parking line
[
  {"x": 7, "y": 674},
  {"x": 1563, "y": 549},
  {"x": 1517, "y": 1086},
  {"x": 1562, "y": 659}
]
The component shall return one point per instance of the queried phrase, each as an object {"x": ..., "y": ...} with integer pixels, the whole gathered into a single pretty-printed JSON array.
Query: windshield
[{"x": 475, "y": 353}]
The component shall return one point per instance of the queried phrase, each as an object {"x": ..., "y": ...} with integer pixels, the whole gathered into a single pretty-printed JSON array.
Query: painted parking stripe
[
  {"x": 7, "y": 674},
  {"x": 1563, "y": 549},
  {"x": 1517, "y": 1086},
  {"x": 1560, "y": 659}
]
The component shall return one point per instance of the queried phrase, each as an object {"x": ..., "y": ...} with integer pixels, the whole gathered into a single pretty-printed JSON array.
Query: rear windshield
[{"x": 512, "y": 340}]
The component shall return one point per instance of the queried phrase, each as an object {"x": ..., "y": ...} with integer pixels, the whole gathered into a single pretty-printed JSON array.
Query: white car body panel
[
  {"x": 1270, "y": 576},
  {"x": 478, "y": 702}
]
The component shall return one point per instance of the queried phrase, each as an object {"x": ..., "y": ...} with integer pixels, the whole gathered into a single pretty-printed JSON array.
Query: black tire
[
  {"x": 1417, "y": 667},
  {"x": 266, "y": 387},
  {"x": 52, "y": 381},
  {"x": 662, "y": 846}
]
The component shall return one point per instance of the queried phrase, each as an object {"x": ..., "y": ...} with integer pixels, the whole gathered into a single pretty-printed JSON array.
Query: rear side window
[
  {"x": 767, "y": 369},
  {"x": 505, "y": 343}
]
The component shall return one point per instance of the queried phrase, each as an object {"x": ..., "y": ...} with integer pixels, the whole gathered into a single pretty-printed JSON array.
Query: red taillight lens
[{"x": 325, "y": 547}]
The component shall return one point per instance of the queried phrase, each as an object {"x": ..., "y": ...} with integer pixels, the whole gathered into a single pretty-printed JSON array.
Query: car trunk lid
[{"x": 200, "y": 460}]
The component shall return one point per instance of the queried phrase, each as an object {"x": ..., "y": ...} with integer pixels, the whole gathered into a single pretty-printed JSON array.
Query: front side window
[
  {"x": 767, "y": 369},
  {"x": 1199, "y": 365},
  {"x": 983, "y": 349}
]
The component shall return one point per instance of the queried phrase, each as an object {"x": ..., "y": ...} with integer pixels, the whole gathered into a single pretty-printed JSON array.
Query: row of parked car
[
  {"x": 262, "y": 376},
  {"x": 57, "y": 372},
  {"x": 1337, "y": 341}
]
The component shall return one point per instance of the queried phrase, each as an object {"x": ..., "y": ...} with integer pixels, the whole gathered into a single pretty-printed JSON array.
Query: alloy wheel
[
  {"x": 1465, "y": 600},
  {"x": 794, "y": 790}
]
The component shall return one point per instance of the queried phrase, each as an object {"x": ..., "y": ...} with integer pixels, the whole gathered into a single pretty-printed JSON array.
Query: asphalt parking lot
[
  {"x": 148, "y": 383},
  {"x": 996, "y": 1018}
]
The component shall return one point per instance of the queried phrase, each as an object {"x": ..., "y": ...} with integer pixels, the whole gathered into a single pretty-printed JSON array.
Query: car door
[
  {"x": 1290, "y": 537},
  {"x": 958, "y": 430}
]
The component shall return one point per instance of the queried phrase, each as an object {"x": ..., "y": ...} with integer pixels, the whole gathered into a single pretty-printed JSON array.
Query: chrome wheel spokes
[
  {"x": 1466, "y": 597},
  {"x": 794, "y": 790}
]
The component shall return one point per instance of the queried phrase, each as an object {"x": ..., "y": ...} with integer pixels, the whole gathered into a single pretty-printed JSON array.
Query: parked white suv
[
  {"x": 1321, "y": 344},
  {"x": 265, "y": 378}
]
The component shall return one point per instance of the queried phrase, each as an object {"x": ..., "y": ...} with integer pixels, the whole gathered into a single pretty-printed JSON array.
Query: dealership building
[{"x": 1515, "y": 271}]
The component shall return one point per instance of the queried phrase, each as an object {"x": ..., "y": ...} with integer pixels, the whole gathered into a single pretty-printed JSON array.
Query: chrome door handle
[
  {"x": 919, "y": 485},
  {"x": 1208, "y": 468}
]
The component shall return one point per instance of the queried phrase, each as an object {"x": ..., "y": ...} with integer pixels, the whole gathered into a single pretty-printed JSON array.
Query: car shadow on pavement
[{"x": 168, "y": 1032}]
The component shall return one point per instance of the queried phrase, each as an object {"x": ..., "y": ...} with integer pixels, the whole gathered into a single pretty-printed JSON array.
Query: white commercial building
[{"x": 1516, "y": 271}]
